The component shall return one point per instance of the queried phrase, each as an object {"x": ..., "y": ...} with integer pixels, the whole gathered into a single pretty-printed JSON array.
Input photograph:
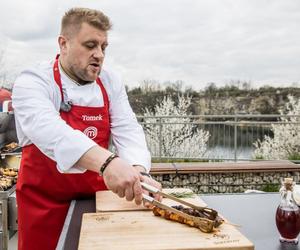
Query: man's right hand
[
  {"x": 119, "y": 176},
  {"x": 124, "y": 180}
]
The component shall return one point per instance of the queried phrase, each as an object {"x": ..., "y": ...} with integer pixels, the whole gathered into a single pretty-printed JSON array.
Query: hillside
[{"x": 218, "y": 101}]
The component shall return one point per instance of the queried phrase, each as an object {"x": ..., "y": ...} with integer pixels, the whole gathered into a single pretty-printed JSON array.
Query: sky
[{"x": 194, "y": 41}]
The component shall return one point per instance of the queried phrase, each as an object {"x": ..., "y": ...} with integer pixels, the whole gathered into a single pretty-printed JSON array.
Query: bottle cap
[{"x": 288, "y": 180}]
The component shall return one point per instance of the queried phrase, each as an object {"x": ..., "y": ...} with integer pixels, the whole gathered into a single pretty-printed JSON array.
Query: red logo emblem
[{"x": 91, "y": 132}]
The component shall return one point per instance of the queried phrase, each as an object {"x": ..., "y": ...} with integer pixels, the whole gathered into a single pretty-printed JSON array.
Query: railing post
[
  {"x": 160, "y": 138},
  {"x": 235, "y": 137}
]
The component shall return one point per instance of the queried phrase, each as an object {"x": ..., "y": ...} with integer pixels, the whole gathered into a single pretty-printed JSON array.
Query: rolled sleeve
[{"x": 69, "y": 149}]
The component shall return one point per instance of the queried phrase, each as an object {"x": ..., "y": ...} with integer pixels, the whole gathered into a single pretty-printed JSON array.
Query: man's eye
[{"x": 90, "y": 45}]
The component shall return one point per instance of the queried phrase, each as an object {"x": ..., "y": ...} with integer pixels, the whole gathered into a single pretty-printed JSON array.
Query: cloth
[
  {"x": 36, "y": 102},
  {"x": 44, "y": 194}
]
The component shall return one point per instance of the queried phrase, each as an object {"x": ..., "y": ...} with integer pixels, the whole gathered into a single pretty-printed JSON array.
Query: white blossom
[
  {"x": 174, "y": 136},
  {"x": 286, "y": 141}
]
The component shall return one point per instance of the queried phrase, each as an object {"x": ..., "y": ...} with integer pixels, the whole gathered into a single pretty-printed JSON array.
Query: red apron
[{"x": 43, "y": 193}]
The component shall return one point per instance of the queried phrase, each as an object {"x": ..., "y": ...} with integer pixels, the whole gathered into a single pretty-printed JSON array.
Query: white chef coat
[{"x": 36, "y": 101}]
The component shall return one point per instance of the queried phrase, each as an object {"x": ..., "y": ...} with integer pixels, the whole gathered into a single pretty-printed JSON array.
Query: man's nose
[{"x": 99, "y": 54}]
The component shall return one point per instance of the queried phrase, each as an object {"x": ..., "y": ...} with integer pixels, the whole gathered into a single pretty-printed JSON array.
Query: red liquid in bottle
[{"x": 288, "y": 223}]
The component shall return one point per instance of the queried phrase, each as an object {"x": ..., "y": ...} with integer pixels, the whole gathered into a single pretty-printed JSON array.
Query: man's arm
[
  {"x": 127, "y": 134},
  {"x": 119, "y": 176},
  {"x": 36, "y": 102}
]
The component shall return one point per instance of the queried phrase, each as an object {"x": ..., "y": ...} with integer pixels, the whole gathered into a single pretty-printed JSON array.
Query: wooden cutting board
[
  {"x": 142, "y": 230},
  {"x": 107, "y": 201},
  {"x": 127, "y": 226}
]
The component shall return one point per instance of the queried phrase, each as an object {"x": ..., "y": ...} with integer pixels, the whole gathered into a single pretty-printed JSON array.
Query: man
[{"x": 65, "y": 115}]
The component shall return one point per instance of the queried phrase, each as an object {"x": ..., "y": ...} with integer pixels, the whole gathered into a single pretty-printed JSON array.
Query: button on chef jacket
[{"x": 36, "y": 101}]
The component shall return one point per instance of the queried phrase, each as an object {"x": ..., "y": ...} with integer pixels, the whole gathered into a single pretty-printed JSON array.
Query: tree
[
  {"x": 174, "y": 136},
  {"x": 149, "y": 86},
  {"x": 177, "y": 85},
  {"x": 286, "y": 141}
]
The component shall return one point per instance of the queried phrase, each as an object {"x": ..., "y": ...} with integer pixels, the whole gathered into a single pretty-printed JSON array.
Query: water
[
  {"x": 220, "y": 144},
  {"x": 222, "y": 152},
  {"x": 222, "y": 140}
]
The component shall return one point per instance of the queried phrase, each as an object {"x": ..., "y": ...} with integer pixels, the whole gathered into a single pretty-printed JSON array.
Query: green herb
[{"x": 183, "y": 194}]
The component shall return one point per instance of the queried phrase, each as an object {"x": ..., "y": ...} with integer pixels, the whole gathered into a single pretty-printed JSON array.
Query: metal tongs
[{"x": 205, "y": 224}]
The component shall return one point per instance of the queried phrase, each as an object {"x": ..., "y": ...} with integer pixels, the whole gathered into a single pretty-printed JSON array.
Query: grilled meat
[{"x": 207, "y": 223}]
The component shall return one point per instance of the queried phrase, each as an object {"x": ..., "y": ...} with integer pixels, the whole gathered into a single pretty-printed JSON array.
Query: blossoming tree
[
  {"x": 286, "y": 141},
  {"x": 170, "y": 133}
]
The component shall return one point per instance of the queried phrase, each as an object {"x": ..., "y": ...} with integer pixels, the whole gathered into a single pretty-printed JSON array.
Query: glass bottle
[{"x": 288, "y": 214}]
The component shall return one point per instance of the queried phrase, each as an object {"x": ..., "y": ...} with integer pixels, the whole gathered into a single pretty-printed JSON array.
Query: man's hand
[
  {"x": 120, "y": 177},
  {"x": 124, "y": 180},
  {"x": 151, "y": 182}
]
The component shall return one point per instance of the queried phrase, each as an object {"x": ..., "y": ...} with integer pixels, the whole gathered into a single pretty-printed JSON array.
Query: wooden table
[{"x": 256, "y": 212}]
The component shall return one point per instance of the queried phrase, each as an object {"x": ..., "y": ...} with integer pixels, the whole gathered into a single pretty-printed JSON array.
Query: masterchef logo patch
[
  {"x": 91, "y": 132},
  {"x": 91, "y": 117}
]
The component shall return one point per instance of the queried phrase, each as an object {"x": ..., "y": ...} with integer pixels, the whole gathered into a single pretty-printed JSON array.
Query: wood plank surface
[
  {"x": 123, "y": 225},
  {"x": 109, "y": 201},
  {"x": 221, "y": 167},
  {"x": 142, "y": 230}
]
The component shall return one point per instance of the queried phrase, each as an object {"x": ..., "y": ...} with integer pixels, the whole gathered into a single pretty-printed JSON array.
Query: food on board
[{"x": 207, "y": 225}]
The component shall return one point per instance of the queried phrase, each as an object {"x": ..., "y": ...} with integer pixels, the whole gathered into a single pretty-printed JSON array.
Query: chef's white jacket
[{"x": 36, "y": 101}]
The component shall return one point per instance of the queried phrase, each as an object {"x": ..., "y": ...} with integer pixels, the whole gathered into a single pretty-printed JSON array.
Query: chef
[{"x": 66, "y": 111}]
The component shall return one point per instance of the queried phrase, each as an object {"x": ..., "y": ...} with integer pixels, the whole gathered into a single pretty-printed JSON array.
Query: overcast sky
[{"x": 196, "y": 41}]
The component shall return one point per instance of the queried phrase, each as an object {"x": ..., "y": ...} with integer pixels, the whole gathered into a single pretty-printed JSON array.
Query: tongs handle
[
  {"x": 155, "y": 190},
  {"x": 148, "y": 198},
  {"x": 150, "y": 188}
]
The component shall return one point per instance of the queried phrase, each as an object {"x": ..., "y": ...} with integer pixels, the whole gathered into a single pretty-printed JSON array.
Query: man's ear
[{"x": 62, "y": 42}]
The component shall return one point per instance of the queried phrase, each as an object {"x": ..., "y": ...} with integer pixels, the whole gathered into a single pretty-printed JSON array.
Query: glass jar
[{"x": 288, "y": 214}]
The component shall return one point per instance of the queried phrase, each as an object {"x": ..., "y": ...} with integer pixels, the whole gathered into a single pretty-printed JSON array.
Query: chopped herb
[{"x": 183, "y": 194}]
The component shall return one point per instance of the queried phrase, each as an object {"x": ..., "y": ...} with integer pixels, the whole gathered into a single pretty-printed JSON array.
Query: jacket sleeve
[
  {"x": 36, "y": 101},
  {"x": 127, "y": 134}
]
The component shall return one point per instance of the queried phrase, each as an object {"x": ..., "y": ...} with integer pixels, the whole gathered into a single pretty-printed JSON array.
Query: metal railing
[{"x": 231, "y": 137}]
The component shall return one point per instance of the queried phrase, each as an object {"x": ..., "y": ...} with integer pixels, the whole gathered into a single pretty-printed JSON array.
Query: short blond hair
[{"x": 73, "y": 19}]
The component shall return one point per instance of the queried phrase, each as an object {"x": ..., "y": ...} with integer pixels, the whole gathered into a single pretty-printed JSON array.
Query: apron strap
[
  {"x": 57, "y": 79},
  {"x": 104, "y": 93},
  {"x": 57, "y": 76}
]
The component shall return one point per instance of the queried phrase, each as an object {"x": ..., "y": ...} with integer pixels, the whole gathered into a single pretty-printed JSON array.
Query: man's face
[{"x": 83, "y": 53}]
